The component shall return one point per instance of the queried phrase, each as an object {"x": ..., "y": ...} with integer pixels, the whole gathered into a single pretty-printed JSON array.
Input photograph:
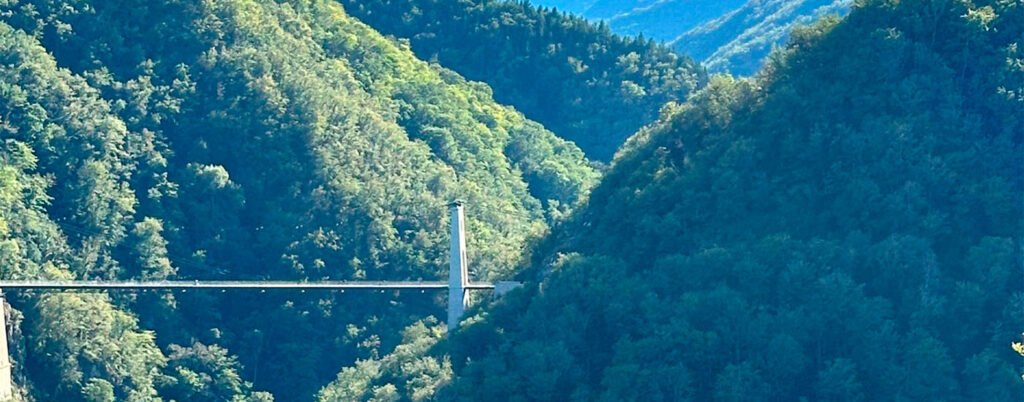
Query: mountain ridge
[
  {"x": 578, "y": 79},
  {"x": 726, "y": 36}
]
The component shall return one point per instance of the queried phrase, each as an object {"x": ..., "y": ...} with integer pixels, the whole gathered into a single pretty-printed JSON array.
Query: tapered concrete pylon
[
  {"x": 458, "y": 272},
  {"x": 6, "y": 384}
]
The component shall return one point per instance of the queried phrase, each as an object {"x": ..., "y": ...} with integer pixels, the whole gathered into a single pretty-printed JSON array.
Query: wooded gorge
[
  {"x": 578, "y": 79},
  {"x": 245, "y": 140},
  {"x": 847, "y": 225}
]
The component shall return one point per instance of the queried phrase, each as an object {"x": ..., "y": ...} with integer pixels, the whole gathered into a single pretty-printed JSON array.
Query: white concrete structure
[
  {"x": 6, "y": 384},
  {"x": 458, "y": 271}
]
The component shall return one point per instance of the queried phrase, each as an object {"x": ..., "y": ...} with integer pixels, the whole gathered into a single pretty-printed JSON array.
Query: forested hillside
[
  {"x": 847, "y": 226},
  {"x": 67, "y": 335},
  {"x": 242, "y": 140},
  {"x": 580, "y": 80},
  {"x": 725, "y": 35},
  {"x": 740, "y": 40}
]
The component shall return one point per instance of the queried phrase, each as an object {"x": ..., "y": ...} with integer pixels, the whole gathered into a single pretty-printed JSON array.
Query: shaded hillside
[
  {"x": 846, "y": 227},
  {"x": 727, "y": 36},
  {"x": 578, "y": 79},
  {"x": 739, "y": 41},
  {"x": 243, "y": 140}
]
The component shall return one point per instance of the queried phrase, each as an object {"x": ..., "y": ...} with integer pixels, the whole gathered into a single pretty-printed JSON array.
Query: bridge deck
[{"x": 298, "y": 285}]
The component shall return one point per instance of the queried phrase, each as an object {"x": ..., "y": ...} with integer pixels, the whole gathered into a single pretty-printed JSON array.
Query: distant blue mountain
[{"x": 727, "y": 35}]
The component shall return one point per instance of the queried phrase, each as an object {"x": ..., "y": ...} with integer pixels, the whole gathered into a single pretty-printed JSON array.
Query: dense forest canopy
[
  {"x": 242, "y": 140},
  {"x": 580, "y": 80},
  {"x": 847, "y": 226}
]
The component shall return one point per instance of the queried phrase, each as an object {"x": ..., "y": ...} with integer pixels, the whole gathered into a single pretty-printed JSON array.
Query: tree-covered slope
[
  {"x": 243, "y": 140},
  {"x": 576, "y": 78},
  {"x": 61, "y": 145},
  {"x": 739, "y": 41},
  {"x": 847, "y": 226},
  {"x": 726, "y": 35}
]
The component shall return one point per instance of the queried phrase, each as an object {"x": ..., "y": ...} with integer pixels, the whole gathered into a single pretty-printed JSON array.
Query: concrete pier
[
  {"x": 6, "y": 383},
  {"x": 458, "y": 271}
]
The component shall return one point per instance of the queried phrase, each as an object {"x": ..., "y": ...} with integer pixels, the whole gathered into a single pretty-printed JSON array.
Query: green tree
[
  {"x": 739, "y": 382},
  {"x": 150, "y": 250},
  {"x": 576, "y": 78},
  {"x": 202, "y": 372},
  {"x": 837, "y": 382},
  {"x": 98, "y": 390}
]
